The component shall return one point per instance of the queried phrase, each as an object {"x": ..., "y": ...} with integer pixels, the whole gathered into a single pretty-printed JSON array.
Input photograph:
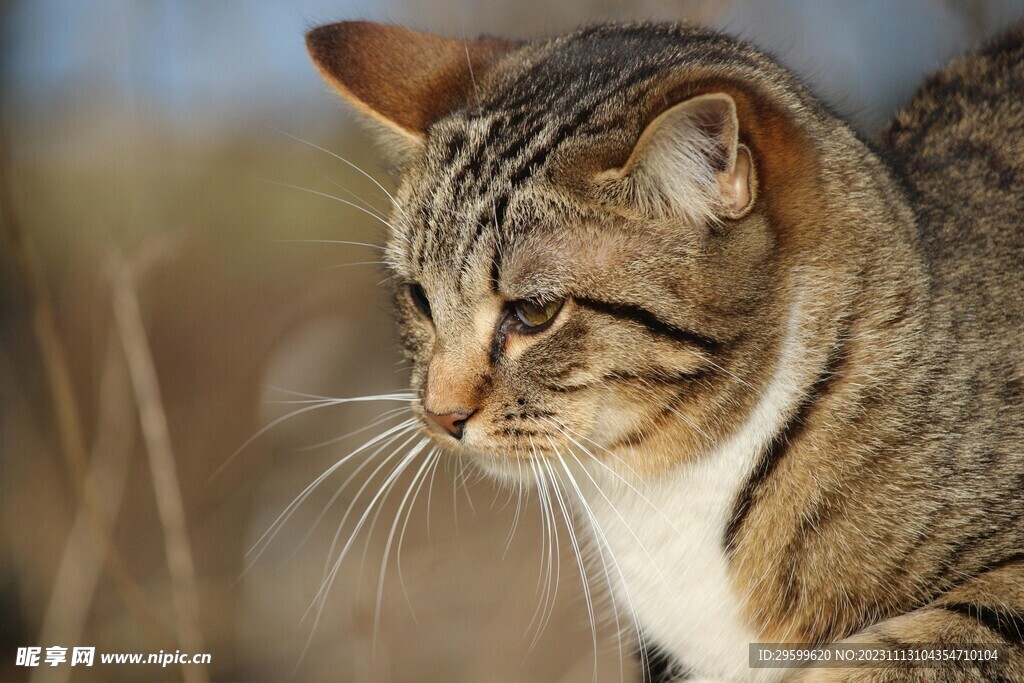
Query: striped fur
[{"x": 835, "y": 371}]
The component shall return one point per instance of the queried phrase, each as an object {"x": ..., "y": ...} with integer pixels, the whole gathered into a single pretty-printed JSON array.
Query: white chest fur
[
  {"x": 668, "y": 542},
  {"x": 672, "y": 571}
]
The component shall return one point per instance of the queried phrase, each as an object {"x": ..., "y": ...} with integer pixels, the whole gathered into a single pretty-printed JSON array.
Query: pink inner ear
[
  {"x": 737, "y": 193},
  {"x": 405, "y": 79}
]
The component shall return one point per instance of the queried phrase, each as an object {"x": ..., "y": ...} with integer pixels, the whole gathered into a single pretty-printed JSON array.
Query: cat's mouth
[
  {"x": 540, "y": 447},
  {"x": 500, "y": 441},
  {"x": 507, "y": 437}
]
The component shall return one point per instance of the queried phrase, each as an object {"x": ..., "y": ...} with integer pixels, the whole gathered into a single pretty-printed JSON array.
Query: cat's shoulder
[
  {"x": 958, "y": 145},
  {"x": 977, "y": 96}
]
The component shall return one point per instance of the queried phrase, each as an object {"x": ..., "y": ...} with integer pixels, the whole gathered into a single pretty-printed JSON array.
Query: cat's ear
[
  {"x": 403, "y": 79},
  {"x": 690, "y": 160}
]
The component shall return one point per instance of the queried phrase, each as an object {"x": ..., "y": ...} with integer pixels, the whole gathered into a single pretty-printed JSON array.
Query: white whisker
[
  {"x": 600, "y": 545},
  {"x": 554, "y": 566},
  {"x": 350, "y": 193},
  {"x": 320, "y": 599},
  {"x": 381, "y": 419},
  {"x": 434, "y": 457},
  {"x": 691, "y": 424},
  {"x": 574, "y": 542},
  {"x": 430, "y": 492},
  {"x": 348, "y": 163},
  {"x": 602, "y": 539},
  {"x": 393, "y": 396},
  {"x": 356, "y": 263},
  {"x": 387, "y": 551},
  {"x": 337, "y": 494},
  {"x": 353, "y": 503},
  {"x": 519, "y": 504},
  {"x": 615, "y": 474},
  {"x": 347, "y": 243},
  {"x": 394, "y": 230},
  {"x": 325, "y": 402},
  {"x": 461, "y": 483},
  {"x": 268, "y": 535}
]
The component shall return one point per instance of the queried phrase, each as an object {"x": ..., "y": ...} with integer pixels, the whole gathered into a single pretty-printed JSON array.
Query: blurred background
[{"x": 171, "y": 248}]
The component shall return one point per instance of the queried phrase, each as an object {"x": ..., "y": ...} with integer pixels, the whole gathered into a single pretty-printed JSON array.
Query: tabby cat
[{"x": 776, "y": 368}]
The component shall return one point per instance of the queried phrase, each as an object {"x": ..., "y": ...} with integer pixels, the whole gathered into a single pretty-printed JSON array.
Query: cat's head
[{"x": 586, "y": 248}]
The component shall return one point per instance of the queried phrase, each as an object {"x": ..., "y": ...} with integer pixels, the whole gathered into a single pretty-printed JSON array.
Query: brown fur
[
  {"x": 895, "y": 488},
  {"x": 402, "y": 78}
]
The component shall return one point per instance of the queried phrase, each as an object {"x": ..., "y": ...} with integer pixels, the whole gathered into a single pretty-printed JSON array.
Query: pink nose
[{"x": 453, "y": 423}]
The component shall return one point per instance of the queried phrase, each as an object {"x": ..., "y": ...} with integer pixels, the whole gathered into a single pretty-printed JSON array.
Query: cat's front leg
[{"x": 987, "y": 612}]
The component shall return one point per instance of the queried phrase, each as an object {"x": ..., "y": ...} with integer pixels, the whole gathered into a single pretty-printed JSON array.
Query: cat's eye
[
  {"x": 419, "y": 299},
  {"x": 534, "y": 315}
]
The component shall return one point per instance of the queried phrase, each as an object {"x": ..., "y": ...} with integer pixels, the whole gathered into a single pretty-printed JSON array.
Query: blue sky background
[{"x": 203, "y": 63}]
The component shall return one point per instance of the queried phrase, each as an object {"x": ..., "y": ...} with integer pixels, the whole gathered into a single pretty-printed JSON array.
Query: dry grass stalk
[
  {"x": 82, "y": 560},
  {"x": 62, "y": 393},
  {"x": 162, "y": 466}
]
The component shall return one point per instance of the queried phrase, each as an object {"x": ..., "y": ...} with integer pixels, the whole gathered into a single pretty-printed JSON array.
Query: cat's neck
[
  {"x": 661, "y": 544},
  {"x": 856, "y": 293}
]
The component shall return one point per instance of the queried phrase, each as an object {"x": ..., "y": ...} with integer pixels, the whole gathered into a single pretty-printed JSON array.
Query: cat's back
[{"x": 959, "y": 145}]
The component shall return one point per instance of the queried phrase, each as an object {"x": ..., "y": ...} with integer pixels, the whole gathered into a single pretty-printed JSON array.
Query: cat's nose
[{"x": 453, "y": 423}]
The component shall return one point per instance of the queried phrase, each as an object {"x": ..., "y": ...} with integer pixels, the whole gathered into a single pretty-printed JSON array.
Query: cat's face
[
  {"x": 563, "y": 325},
  {"x": 577, "y": 272}
]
